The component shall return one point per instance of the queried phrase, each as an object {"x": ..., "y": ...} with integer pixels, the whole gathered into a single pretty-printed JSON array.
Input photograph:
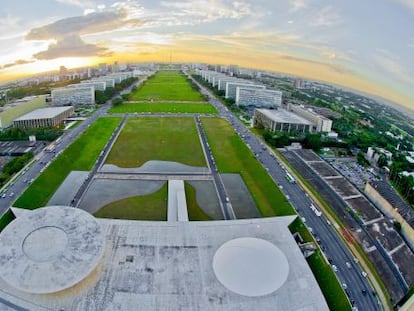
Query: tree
[
  {"x": 313, "y": 141},
  {"x": 382, "y": 161},
  {"x": 117, "y": 101}
]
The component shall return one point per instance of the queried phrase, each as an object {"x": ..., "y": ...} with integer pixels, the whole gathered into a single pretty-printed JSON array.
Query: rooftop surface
[
  {"x": 44, "y": 113},
  {"x": 169, "y": 266},
  {"x": 284, "y": 116},
  {"x": 50, "y": 249}
]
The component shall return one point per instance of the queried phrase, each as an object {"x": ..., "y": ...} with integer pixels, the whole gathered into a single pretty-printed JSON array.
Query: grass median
[
  {"x": 233, "y": 156},
  {"x": 157, "y": 138},
  {"x": 166, "y": 85},
  {"x": 164, "y": 108},
  {"x": 79, "y": 156},
  {"x": 145, "y": 207}
]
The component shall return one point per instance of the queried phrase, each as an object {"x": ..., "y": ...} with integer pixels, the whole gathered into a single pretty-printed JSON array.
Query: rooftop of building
[
  {"x": 184, "y": 266},
  {"x": 20, "y": 102},
  {"x": 72, "y": 88},
  {"x": 310, "y": 109},
  {"x": 44, "y": 113},
  {"x": 284, "y": 116}
]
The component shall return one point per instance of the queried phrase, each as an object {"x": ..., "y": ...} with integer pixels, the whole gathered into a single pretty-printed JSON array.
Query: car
[
  {"x": 344, "y": 285},
  {"x": 364, "y": 274},
  {"x": 364, "y": 291},
  {"x": 348, "y": 265},
  {"x": 334, "y": 268},
  {"x": 4, "y": 195}
]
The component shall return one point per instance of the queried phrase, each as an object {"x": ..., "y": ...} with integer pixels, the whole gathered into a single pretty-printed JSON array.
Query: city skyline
[{"x": 333, "y": 42}]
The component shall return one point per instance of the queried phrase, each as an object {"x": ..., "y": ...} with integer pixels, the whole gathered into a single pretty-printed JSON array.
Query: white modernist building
[
  {"x": 258, "y": 97},
  {"x": 97, "y": 85},
  {"x": 62, "y": 258},
  {"x": 321, "y": 123},
  {"x": 281, "y": 120},
  {"x": 110, "y": 82},
  {"x": 79, "y": 96},
  {"x": 231, "y": 88}
]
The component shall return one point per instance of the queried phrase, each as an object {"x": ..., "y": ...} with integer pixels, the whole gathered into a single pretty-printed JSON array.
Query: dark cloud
[
  {"x": 67, "y": 33},
  {"x": 72, "y": 46},
  {"x": 17, "y": 62},
  {"x": 79, "y": 25},
  {"x": 332, "y": 67}
]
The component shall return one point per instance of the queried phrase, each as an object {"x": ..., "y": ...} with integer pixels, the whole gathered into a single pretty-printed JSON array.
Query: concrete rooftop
[{"x": 169, "y": 266}]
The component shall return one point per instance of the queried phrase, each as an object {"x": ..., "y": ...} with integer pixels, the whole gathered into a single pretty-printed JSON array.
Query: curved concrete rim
[
  {"x": 250, "y": 267},
  {"x": 50, "y": 249}
]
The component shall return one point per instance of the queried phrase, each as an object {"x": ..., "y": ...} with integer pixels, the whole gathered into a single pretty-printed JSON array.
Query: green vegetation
[
  {"x": 146, "y": 207},
  {"x": 7, "y": 218},
  {"x": 332, "y": 290},
  {"x": 167, "y": 85},
  {"x": 195, "y": 212},
  {"x": 80, "y": 155},
  {"x": 101, "y": 97},
  {"x": 14, "y": 166},
  {"x": 164, "y": 108},
  {"x": 152, "y": 138},
  {"x": 46, "y": 133},
  {"x": 117, "y": 101},
  {"x": 233, "y": 156}
]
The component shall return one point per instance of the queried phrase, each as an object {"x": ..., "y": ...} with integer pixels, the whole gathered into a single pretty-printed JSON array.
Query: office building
[
  {"x": 258, "y": 97},
  {"x": 44, "y": 117},
  {"x": 78, "y": 96},
  {"x": 110, "y": 82},
  {"x": 12, "y": 111},
  {"x": 231, "y": 88},
  {"x": 321, "y": 123},
  {"x": 97, "y": 85},
  {"x": 281, "y": 120}
]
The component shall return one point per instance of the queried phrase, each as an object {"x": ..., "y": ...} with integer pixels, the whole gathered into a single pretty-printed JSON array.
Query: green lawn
[
  {"x": 166, "y": 85},
  {"x": 157, "y": 138},
  {"x": 147, "y": 207},
  {"x": 7, "y": 218},
  {"x": 80, "y": 155},
  {"x": 195, "y": 212},
  {"x": 164, "y": 108},
  {"x": 233, "y": 156},
  {"x": 332, "y": 290}
]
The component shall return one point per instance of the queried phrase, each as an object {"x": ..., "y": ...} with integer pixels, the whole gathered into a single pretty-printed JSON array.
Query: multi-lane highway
[{"x": 344, "y": 264}]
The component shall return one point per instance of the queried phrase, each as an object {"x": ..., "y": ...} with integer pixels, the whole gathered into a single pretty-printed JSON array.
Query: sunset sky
[{"x": 366, "y": 45}]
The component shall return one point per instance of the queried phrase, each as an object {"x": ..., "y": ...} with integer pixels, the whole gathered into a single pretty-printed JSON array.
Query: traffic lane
[
  {"x": 19, "y": 186},
  {"x": 340, "y": 252}
]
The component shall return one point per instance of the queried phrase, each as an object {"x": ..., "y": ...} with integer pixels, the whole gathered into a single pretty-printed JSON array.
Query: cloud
[
  {"x": 332, "y": 67},
  {"x": 16, "y": 63},
  {"x": 297, "y": 5},
  {"x": 71, "y": 46},
  {"x": 391, "y": 64},
  {"x": 80, "y": 25},
  {"x": 327, "y": 16},
  {"x": 68, "y": 32},
  {"x": 209, "y": 10},
  {"x": 407, "y": 3},
  {"x": 84, "y": 4}
]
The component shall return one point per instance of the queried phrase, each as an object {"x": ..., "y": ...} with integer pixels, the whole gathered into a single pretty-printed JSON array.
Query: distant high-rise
[
  {"x": 299, "y": 83},
  {"x": 103, "y": 68}
]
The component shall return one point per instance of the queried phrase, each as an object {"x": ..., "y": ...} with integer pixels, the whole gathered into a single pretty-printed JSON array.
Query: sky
[{"x": 366, "y": 45}]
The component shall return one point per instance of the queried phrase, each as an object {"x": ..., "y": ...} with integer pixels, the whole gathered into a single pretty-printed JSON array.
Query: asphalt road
[
  {"x": 357, "y": 286},
  {"x": 225, "y": 205},
  {"x": 9, "y": 195}
]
